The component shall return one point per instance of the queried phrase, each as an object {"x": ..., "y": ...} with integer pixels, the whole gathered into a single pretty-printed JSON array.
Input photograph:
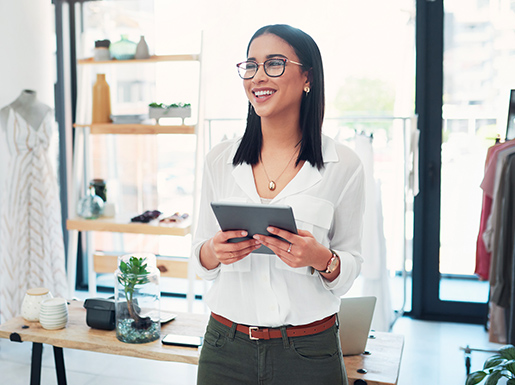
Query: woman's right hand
[{"x": 218, "y": 250}]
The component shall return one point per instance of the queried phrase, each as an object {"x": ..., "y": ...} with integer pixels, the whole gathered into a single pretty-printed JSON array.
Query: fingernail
[
  {"x": 244, "y": 233},
  {"x": 270, "y": 229}
]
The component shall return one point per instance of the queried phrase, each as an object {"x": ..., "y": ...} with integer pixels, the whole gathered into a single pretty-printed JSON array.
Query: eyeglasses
[{"x": 273, "y": 67}]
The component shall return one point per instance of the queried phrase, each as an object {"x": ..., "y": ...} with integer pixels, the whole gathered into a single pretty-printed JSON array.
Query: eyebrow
[{"x": 269, "y": 56}]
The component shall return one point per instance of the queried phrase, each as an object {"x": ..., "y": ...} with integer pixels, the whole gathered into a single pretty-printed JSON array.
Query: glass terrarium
[{"x": 137, "y": 297}]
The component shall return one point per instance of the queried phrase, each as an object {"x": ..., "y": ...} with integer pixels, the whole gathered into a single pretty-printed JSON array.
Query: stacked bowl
[{"x": 53, "y": 313}]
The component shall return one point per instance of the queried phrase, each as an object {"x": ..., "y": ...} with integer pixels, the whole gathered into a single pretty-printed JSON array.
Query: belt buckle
[{"x": 250, "y": 333}]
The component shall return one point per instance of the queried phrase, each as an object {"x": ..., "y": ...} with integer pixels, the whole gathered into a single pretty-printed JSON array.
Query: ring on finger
[{"x": 289, "y": 248}]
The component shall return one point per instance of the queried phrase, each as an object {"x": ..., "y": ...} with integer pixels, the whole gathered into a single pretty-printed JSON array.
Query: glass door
[{"x": 464, "y": 80}]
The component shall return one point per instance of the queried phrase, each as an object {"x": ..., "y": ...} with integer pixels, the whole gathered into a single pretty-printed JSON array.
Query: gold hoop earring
[{"x": 307, "y": 89}]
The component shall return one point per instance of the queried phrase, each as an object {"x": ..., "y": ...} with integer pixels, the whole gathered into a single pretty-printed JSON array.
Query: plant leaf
[
  {"x": 493, "y": 377},
  {"x": 475, "y": 377},
  {"x": 510, "y": 365},
  {"x": 494, "y": 361},
  {"x": 508, "y": 352}
]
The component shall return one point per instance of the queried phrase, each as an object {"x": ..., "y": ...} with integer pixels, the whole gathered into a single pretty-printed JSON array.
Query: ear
[{"x": 307, "y": 78}]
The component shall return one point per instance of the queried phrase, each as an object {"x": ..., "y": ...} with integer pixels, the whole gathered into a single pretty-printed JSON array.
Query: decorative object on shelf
[
  {"x": 101, "y": 52},
  {"x": 147, "y": 216},
  {"x": 31, "y": 304},
  {"x": 498, "y": 366},
  {"x": 91, "y": 206},
  {"x": 100, "y": 188},
  {"x": 175, "y": 218},
  {"x": 101, "y": 101},
  {"x": 175, "y": 110},
  {"x": 129, "y": 118},
  {"x": 54, "y": 313},
  {"x": 142, "y": 51},
  {"x": 124, "y": 49},
  {"x": 137, "y": 298}
]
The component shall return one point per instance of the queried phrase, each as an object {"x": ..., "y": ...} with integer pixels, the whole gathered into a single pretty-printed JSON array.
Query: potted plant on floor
[
  {"x": 499, "y": 366},
  {"x": 137, "y": 296}
]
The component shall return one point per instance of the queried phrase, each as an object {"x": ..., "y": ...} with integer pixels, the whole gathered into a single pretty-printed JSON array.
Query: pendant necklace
[{"x": 272, "y": 183}]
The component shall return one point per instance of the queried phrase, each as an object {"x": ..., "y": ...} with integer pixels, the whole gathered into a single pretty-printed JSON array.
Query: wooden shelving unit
[{"x": 122, "y": 223}]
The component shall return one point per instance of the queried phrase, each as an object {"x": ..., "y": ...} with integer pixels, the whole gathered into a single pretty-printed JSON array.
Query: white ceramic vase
[{"x": 31, "y": 304}]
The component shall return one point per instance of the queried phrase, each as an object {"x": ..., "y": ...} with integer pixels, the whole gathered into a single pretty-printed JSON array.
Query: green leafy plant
[
  {"x": 173, "y": 105},
  {"x": 496, "y": 367},
  {"x": 133, "y": 273}
]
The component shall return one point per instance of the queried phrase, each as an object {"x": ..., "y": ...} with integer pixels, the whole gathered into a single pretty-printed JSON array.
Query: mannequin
[
  {"x": 28, "y": 106},
  {"x": 31, "y": 238}
]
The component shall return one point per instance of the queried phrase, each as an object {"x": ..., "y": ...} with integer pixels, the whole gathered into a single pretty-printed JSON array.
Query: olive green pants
[{"x": 229, "y": 357}]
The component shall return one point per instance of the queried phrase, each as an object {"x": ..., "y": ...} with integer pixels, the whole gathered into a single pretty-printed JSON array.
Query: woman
[{"x": 273, "y": 315}]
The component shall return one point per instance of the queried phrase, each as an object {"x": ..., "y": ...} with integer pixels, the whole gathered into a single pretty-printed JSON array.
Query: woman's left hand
[{"x": 298, "y": 250}]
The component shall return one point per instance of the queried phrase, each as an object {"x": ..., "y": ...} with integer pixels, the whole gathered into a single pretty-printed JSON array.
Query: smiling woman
[{"x": 282, "y": 159}]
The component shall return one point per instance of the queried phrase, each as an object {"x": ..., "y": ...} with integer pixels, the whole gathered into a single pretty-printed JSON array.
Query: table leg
[
  {"x": 59, "y": 365},
  {"x": 35, "y": 369}
]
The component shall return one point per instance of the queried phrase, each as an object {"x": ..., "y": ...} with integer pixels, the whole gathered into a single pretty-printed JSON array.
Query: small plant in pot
[
  {"x": 499, "y": 366},
  {"x": 174, "y": 110},
  {"x": 137, "y": 300}
]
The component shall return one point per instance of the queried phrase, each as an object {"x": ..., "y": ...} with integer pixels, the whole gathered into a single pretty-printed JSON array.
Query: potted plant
[
  {"x": 501, "y": 365},
  {"x": 137, "y": 299},
  {"x": 174, "y": 110}
]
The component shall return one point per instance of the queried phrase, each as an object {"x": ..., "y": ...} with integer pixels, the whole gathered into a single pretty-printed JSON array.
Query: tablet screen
[{"x": 254, "y": 218}]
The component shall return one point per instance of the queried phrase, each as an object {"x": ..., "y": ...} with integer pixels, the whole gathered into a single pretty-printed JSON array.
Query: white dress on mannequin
[{"x": 31, "y": 238}]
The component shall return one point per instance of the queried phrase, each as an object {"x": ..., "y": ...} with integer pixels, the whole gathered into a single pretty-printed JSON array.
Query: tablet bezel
[{"x": 254, "y": 218}]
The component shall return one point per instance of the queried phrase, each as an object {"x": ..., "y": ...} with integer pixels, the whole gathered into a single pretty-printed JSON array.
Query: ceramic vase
[
  {"x": 101, "y": 101},
  {"x": 142, "y": 51},
  {"x": 31, "y": 304},
  {"x": 137, "y": 298}
]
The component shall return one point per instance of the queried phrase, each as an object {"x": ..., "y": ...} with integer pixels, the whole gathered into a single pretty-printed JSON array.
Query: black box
[{"x": 100, "y": 313}]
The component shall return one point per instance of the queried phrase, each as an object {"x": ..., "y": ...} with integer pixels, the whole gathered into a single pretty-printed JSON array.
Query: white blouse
[{"x": 262, "y": 290}]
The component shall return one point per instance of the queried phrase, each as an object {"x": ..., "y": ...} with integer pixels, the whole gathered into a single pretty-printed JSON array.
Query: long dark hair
[{"x": 312, "y": 105}]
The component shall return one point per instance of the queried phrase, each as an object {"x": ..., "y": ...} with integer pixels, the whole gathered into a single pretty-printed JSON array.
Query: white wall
[
  {"x": 27, "y": 49},
  {"x": 27, "y": 56}
]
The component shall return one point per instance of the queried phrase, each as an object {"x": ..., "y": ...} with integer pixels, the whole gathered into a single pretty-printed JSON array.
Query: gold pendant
[{"x": 271, "y": 185}]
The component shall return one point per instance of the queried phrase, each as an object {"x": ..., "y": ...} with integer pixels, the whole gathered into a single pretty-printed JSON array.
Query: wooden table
[{"x": 382, "y": 365}]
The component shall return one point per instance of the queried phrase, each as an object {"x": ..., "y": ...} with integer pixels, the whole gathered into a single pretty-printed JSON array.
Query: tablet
[{"x": 254, "y": 218}]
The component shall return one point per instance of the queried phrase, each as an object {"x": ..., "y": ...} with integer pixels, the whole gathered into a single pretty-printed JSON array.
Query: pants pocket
[{"x": 320, "y": 346}]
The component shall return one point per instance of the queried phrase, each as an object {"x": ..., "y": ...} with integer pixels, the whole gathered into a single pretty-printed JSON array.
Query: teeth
[{"x": 262, "y": 93}]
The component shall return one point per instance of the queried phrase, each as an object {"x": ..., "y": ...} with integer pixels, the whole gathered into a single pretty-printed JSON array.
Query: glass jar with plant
[{"x": 137, "y": 296}]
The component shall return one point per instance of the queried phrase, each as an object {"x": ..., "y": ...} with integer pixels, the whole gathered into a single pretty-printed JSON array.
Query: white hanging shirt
[{"x": 261, "y": 289}]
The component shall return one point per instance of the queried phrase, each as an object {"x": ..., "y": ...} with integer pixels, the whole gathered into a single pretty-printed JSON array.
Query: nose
[{"x": 260, "y": 74}]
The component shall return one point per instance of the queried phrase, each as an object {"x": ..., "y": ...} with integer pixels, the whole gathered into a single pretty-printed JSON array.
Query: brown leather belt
[{"x": 257, "y": 333}]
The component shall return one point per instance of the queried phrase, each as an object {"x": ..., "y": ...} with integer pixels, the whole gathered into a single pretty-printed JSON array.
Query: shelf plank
[
  {"x": 137, "y": 129},
  {"x": 152, "y": 59},
  {"x": 171, "y": 267},
  {"x": 125, "y": 226}
]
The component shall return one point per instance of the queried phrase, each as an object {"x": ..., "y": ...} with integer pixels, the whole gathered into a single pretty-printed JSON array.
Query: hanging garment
[
  {"x": 496, "y": 154},
  {"x": 374, "y": 272},
  {"x": 31, "y": 239},
  {"x": 483, "y": 256}
]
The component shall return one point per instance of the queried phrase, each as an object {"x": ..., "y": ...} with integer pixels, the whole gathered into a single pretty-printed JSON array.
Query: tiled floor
[{"x": 431, "y": 356}]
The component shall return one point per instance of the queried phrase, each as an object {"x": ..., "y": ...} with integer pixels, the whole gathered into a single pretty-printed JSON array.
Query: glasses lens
[
  {"x": 247, "y": 69},
  {"x": 274, "y": 67}
]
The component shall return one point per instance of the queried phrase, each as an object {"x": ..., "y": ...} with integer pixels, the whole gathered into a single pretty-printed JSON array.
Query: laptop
[{"x": 355, "y": 318}]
